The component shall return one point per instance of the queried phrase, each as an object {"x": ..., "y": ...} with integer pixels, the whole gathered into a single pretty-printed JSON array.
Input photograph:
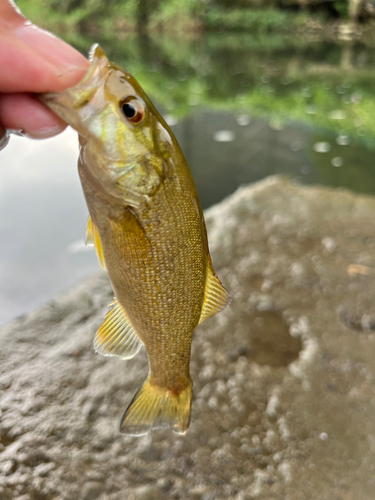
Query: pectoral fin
[
  {"x": 116, "y": 336},
  {"x": 92, "y": 238},
  {"x": 216, "y": 298}
]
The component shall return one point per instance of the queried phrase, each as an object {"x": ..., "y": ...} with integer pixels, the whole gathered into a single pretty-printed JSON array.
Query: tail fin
[{"x": 155, "y": 408}]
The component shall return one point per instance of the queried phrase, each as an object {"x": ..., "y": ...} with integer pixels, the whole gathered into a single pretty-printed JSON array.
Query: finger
[
  {"x": 10, "y": 16},
  {"x": 28, "y": 70},
  {"x": 70, "y": 64},
  {"x": 33, "y": 59},
  {"x": 24, "y": 69},
  {"x": 25, "y": 112}
]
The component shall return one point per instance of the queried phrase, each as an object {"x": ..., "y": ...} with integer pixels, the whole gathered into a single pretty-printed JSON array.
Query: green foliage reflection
[
  {"x": 323, "y": 85},
  {"x": 167, "y": 15},
  {"x": 328, "y": 87}
]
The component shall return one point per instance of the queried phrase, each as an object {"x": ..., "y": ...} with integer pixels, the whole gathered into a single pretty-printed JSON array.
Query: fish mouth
[{"x": 76, "y": 103}]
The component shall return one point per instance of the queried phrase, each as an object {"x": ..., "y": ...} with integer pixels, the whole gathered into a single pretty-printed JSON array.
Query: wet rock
[
  {"x": 9, "y": 467},
  {"x": 92, "y": 490},
  {"x": 359, "y": 314},
  {"x": 147, "y": 493},
  {"x": 284, "y": 378}
]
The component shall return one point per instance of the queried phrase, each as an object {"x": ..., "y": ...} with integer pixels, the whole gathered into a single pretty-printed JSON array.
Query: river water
[{"x": 242, "y": 107}]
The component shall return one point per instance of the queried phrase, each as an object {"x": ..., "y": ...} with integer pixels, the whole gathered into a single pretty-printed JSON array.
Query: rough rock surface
[{"x": 284, "y": 393}]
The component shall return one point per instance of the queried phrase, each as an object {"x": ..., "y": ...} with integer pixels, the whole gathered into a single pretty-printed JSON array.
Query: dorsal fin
[
  {"x": 216, "y": 298},
  {"x": 92, "y": 238},
  {"x": 116, "y": 336}
]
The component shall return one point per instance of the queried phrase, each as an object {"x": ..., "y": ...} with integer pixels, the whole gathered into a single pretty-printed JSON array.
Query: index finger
[
  {"x": 24, "y": 67},
  {"x": 10, "y": 15},
  {"x": 34, "y": 60}
]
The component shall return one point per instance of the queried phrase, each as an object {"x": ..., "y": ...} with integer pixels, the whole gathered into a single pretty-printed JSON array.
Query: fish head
[{"x": 125, "y": 142}]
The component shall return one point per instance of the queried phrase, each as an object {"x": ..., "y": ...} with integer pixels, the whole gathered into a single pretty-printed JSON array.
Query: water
[{"x": 242, "y": 108}]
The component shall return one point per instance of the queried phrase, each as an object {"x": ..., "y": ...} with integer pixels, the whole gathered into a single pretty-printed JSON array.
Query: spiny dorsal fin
[
  {"x": 216, "y": 298},
  {"x": 92, "y": 238},
  {"x": 116, "y": 336}
]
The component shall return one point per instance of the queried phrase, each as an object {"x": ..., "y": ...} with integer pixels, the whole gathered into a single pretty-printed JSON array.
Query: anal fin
[
  {"x": 116, "y": 336},
  {"x": 92, "y": 238},
  {"x": 216, "y": 298}
]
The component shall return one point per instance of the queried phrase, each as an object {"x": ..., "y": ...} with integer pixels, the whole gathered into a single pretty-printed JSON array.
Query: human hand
[{"x": 32, "y": 61}]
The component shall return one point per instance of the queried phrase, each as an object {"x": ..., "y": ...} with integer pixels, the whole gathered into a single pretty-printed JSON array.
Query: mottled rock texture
[{"x": 284, "y": 393}]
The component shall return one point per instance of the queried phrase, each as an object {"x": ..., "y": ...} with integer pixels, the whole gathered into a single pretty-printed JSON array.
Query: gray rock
[
  {"x": 283, "y": 379},
  {"x": 92, "y": 490},
  {"x": 8, "y": 467}
]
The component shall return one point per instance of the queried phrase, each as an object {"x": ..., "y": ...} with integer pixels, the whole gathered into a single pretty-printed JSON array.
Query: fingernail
[{"x": 63, "y": 56}]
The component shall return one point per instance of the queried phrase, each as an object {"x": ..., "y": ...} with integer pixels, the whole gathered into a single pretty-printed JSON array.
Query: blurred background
[{"x": 250, "y": 88}]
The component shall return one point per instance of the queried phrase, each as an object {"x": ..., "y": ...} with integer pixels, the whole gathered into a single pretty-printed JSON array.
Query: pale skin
[{"x": 32, "y": 61}]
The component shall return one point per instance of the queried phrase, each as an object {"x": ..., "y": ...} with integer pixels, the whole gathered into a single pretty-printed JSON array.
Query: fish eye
[{"x": 133, "y": 109}]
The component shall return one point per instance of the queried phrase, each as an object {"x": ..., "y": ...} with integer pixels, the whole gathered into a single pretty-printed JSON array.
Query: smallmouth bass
[{"x": 149, "y": 235}]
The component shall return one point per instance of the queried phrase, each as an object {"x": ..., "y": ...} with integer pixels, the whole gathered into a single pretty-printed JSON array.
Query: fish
[{"x": 149, "y": 234}]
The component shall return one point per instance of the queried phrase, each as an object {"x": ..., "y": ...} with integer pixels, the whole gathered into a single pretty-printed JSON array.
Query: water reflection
[
  {"x": 241, "y": 107},
  {"x": 42, "y": 213}
]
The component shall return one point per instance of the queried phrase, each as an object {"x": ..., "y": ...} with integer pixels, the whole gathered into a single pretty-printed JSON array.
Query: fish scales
[
  {"x": 158, "y": 306},
  {"x": 149, "y": 235}
]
